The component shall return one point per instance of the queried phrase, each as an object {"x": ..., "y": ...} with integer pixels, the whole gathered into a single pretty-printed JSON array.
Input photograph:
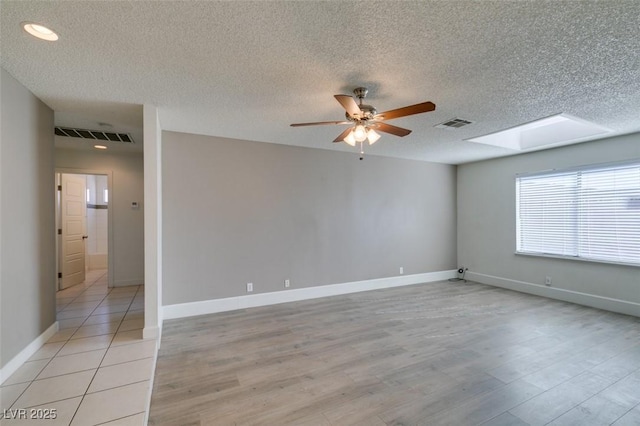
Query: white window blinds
[{"x": 591, "y": 213}]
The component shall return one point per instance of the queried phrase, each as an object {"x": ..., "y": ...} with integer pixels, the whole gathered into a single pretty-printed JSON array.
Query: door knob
[{"x": 84, "y": 237}]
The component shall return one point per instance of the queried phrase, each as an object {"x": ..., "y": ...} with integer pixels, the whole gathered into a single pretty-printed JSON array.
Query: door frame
[{"x": 109, "y": 174}]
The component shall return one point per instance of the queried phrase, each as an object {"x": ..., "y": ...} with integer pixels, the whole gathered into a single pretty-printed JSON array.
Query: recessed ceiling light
[
  {"x": 40, "y": 31},
  {"x": 100, "y": 147}
]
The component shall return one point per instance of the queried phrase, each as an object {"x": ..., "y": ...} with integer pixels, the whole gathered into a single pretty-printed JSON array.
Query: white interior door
[{"x": 73, "y": 217}]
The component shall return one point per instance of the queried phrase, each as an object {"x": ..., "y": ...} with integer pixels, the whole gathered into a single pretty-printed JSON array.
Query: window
[{"x": 590, "y": 213}]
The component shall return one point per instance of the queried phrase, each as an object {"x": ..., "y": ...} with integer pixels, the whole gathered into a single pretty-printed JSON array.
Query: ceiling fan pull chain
[{"x": 361, "y": 150}]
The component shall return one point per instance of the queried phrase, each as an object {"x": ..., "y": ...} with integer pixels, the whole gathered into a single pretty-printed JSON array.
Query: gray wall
[
  {"x": 487, "y": 222},
  {"x": 236, "y": 212},
  {"x": 128, "y": 223},
  {"x": 27, "y": 272}
]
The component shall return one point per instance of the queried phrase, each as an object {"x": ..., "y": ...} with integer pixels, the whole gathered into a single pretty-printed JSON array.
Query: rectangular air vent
[
  {"x": 454, "y": 123},
  {"x": 93, "y": 134}
]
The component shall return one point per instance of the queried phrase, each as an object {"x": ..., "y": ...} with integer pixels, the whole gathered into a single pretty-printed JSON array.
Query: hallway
[{"x": 96, "y": 369}]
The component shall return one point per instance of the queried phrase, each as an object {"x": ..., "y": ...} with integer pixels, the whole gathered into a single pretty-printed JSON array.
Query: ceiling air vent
[
  {"x": 93, "y": 134},
  {"x": 454, "y": 123}
]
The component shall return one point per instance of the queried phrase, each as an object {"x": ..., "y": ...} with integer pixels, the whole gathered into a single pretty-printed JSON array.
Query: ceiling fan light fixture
[
  {"x": 350, "y": 139},
  {"x": 359, "y": 133},
  {"x": 373, "y": 136}
]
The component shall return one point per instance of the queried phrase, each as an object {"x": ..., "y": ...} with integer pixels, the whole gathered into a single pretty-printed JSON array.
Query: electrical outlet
[
  {"x": 401, "y": 270},
  {"x": 249, "y": 287},
  {"x": 287, "y": 283},
  {"x": 547, "y": 281}
]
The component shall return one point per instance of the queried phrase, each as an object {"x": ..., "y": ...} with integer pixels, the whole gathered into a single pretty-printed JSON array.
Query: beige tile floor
[{"x": 96, "y": 370}]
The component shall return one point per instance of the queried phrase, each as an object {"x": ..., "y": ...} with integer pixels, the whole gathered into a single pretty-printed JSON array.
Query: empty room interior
[{"x": 320, "y": 213}]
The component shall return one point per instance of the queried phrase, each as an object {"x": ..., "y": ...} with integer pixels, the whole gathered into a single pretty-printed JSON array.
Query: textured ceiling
[{"x": 247, "y": 70}]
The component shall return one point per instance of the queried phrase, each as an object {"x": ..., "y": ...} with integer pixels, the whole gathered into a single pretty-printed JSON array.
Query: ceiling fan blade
[
  {"x": 343, "y": 135},
  {"x": 349, "y": 104},
  {"x": 388, "y": 128},
  {"x": 319, "y": 123},
  {"x": 408, "y": 110}
]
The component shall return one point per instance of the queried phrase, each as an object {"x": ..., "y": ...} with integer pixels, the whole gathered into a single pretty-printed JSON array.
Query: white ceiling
[{"x": 247, "y": 70}]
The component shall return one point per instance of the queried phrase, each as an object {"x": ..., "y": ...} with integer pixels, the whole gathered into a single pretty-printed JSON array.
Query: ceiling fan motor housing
[{"x": 368, "y": 112}]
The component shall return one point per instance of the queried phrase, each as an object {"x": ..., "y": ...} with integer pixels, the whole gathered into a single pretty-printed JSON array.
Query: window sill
[{"x": 579, "y": 259}]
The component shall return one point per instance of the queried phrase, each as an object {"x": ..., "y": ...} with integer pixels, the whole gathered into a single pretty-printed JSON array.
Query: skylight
[{"x": 561, "y": 129}]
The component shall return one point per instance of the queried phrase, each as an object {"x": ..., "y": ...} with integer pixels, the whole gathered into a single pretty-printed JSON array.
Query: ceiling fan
[{"x": 365, "y": 119}]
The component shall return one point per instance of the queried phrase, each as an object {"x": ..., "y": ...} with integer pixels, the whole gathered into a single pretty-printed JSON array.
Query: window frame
[{"x": 568, "y": 170}]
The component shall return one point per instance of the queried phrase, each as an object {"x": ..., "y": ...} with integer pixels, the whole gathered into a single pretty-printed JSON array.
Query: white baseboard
[
  {"x": 600, "y": 302},
  {"x": 152, "y": 332},
  {"x": 17, "y": 361},
  {"x": 204, "y": 307},
  {"x": 126, "y": 283}
]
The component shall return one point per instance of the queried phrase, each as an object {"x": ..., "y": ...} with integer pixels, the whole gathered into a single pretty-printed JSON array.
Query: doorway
[{"x": 84, "y": 226}]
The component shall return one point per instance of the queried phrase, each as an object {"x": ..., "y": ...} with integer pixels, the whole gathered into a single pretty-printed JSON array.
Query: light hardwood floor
[{"x": 434, "y": 354}]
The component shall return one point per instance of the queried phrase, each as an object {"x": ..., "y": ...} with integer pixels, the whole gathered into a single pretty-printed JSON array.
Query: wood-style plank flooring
[{"x": 433, "y": 354}]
